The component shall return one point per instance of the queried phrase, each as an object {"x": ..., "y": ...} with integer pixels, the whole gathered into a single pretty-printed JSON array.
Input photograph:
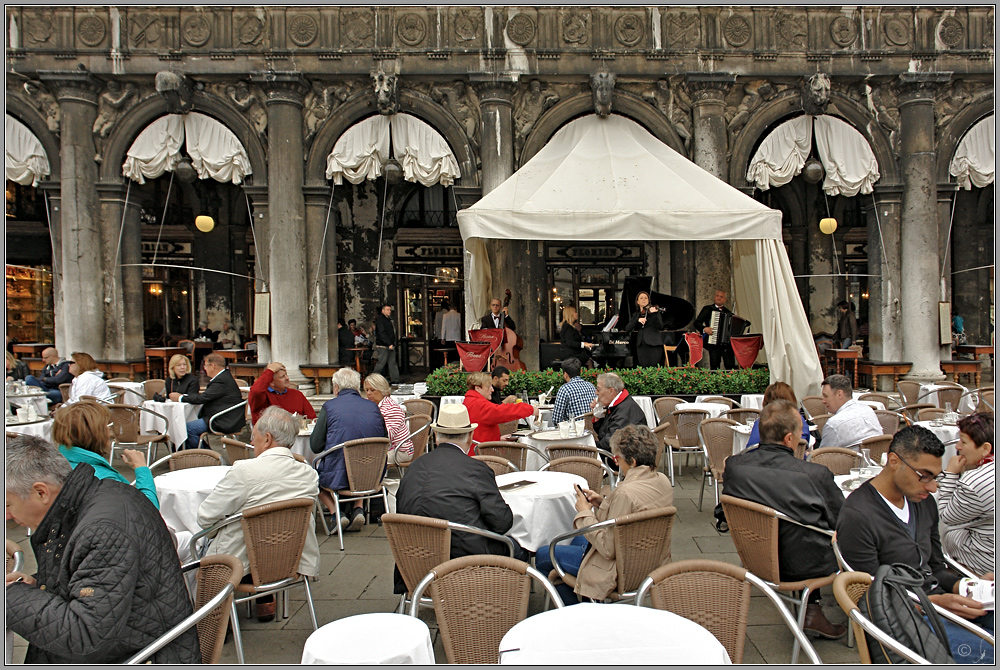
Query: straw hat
[{"x": 453, "y": 419}]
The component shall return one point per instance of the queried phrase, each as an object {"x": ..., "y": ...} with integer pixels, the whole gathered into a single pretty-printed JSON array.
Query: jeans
[
  {"x": 387, "y": 357},
  {"x": 195, "y": 429},
  {"x": 846, "y": 343},
  {"x": 54, "y": 395},
  {"x": 967, "y": 647},
  {"x": 569, "y": 556}
]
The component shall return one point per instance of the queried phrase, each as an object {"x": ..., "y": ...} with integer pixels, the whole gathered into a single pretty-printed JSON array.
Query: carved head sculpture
[
  {"x": 176, "y": 88},
  {"x": 386, "y": 98},
  {"x": 602, "y": 85},
  {"x": 816, "y": 95}
]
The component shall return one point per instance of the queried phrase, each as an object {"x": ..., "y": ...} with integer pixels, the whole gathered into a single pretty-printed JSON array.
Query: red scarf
[{"x": 617, "y": 401}]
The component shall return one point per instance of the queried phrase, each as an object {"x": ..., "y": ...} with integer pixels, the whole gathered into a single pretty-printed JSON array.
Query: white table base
[
  {"x": 543, "y": 510},
  {"x": 179, "y": 413},
  {"x": 401, "y": 640}
]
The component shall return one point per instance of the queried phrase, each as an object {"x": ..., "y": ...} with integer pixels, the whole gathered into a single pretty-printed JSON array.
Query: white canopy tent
[
  {"x": 974, "y": 162},
  {"x": 25, "y": 160},
  {"x": 610, "y": 179}
]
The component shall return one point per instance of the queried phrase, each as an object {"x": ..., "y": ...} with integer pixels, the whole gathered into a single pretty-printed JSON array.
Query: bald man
[{"x": 56, "y": 372}]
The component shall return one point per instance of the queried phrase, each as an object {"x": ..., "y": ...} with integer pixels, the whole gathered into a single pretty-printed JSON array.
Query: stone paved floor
[{"x": 359, "y": 580}]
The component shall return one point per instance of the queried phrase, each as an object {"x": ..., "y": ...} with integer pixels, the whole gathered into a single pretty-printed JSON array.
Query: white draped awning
[
  {"x": 975, "y": 158},
  {"x": 24, "y": 158},
  {"x": 849, "y": 162},
  {"x": 214, "y": 149},
  {"x": 364, "y": 148}
]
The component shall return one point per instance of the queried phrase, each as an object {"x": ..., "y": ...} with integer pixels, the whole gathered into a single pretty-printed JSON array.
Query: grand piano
[{"x": 614, "y": 346}]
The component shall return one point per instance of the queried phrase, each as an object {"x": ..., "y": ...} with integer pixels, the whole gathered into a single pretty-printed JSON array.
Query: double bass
[{"x": 509, "y": 352}]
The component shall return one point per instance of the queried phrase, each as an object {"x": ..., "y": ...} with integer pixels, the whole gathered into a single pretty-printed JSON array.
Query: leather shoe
[
  {"x": 817, "y": 625},
  {"x": 265, "y": 611}
]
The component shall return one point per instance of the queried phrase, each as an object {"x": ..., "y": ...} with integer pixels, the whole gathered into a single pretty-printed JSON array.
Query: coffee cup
[
  {"x": 22, "y": 414},
  {"x": 564, "y": 429}
]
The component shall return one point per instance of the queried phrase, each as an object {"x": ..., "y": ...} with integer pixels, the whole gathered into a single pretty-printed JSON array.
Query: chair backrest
[
  {"x": 498, "y": 464},
  {"x": 214, "y": 573},
  {"x": 890, "y": 420},
  {"x": 909, "y": 390},
  {"x": 986, "y": 403},
  {"x": 590, "y": 469},
  {"x": 588, "y": 421},
  {"x": 65, "y": 390},
  {"x": 849, "y": 588},
  {"x": 721, "y": 400},
  {"x": 884, "y": 398},
  {"x": 418, "y": 544},
  {"x": 124, "y": 423},
  {"x": 187, "y": 345},
  {"x": 642, "y": 544},
  {"x": 687, "y": 422},
  {"x": 754, "y": 528},
  {"x": 365, "y": 460},
  {"x": 840, "y": 460},
  {"x": 742, "y": 414},
  {"x": 717, "y": 436},
  {"x": 911, "y": 411},
  {"x": 813, "y": 404},
  {"x": 418, "y": 406},
  {"x": 153, "y": 386},
  {"x": 414, "y": 423},
  {"x": 820, "y": 421},
  {"x": 237, "y": 409},
  {"x": 877, "y": 446},
  {"x": 661, "y": 433},
  {"x": 236, "y": 450},
  {"x": 515, "y": 452},
  {"x": 713, "y": 594},
  {"x": 274, "y": 534},
  {"x": 116, "y": 380},
  {"x": 664, "y": 406},
  {"x": 930, "y": 413},
  {"x": 556, "y": 451},
  {"x": 951, "y": 395},
  {"x": 800, "y": 448},
  {"x": 507, "y": 427},
  {"x": 193, "y": 458}
]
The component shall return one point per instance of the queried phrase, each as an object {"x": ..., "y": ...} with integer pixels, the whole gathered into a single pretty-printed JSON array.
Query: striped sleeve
[{"x": 395, "y": 423}]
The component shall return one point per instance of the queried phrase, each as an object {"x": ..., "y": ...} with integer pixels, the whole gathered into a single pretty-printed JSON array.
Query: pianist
[{"x": 717, "y": 353}]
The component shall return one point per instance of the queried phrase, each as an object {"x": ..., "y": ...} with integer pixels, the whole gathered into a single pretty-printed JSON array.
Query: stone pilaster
[
  {"x": 258, "y": 197},
  {"x": 322, "y": 261},
  {"x": 123, "y": 279},
  {"x": 712, "y": 259},
  {"x": 83, "y": 287},
  {"x": 54, "y": 202},
  {"x": 885, "y": 332},
  {"x": 919, "y": 276},
  {"x": 946, "y": 193}
]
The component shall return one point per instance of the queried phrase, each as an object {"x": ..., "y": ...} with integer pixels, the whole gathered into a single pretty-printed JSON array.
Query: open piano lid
[{"x": 676, "y": 312}]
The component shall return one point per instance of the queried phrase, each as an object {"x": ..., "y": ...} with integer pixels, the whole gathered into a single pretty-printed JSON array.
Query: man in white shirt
[
  {"x": 850, "y": 421},
  {"x": 451, "y": 324},
  {"x": 271, "y": 476}
]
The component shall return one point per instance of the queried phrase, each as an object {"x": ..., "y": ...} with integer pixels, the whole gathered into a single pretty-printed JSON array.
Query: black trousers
[
  {"x": 649, "y": 356},
  {"x": 720, "y": 353}
]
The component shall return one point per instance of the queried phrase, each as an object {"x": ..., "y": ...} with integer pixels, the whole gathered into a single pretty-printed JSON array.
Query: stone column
[
  {"x": 885, "y": 337},
  {"x": 713, "y": 259},
  {"x": 919, "y": 285},
  {"x": 82, "y": 259},
  {"x": 946, "y": 193},
  {"x": 51, "y": 190},
  {"x": 123, "y": 279},
  {"x": 286, "y": 240},
  {"x": 322, "y": 256},
  {"x": 258, "y": 197}
]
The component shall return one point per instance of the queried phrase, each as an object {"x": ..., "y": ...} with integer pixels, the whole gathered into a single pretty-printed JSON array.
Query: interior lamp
[
  {"x": 206, "y": 223},
  {"x": 827, "y": 226}
]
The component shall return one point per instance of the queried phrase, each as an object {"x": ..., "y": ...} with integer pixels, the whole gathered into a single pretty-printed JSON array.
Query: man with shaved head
[{"x": 56, "y": 372}]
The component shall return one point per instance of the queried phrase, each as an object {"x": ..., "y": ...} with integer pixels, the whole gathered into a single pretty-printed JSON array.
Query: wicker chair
[
  {"x": 189, "y": 458},
  {"x": 588, "y": 421},
  {"x": 420, "y": 543},
  {"x": 642, "y": 544},
  {"x": 591, "y": 469},
  {"x": 499, "y": 465},
  {"x": 908, "y": 390},
  {"x": 742, "y": 414},
  {"x": 236, "y": 450},
  {"x": 239, "y": 407},
  {"x": 911, "y": 411},
  {"x": 414, "y": 406},
  {"x": 946, "y": 393},
  {"x": 15, "y": 557},
  {"x": 515, "y": 452},
  {"x": 839, "y": 460},
  {"x": 477, "y": 599},
  {"x": 800, "y": 448},
  {"x": 813, "y": 405},
  {"x": 819, "y": 420},
  {"x": 419, "y": 426},
  {"x": 507, "y": 427},
  {"x": 888, "y": 401},
  {"x": 682, "y": 435},
  {"x": 715, "y": 595},
  {"x": 754, "y": 528},
  {"x": 930, "y": 414},
  {"x": 125, "y": 430},
  {"x": 65, "y": 389},
  {"x": 366, "y": 466},
  {"x": 877, "y": 446},
  {"x": 722, "y": 400},
  {"x": 153, "y": 386},
  {"x": 891, "y": 421},
  {"x": 664, "y": 406},
  {"x": 217, "y": 578},
  {"x": 985, "y": 402},
  {"x": 661, "y": 432},
  {"x": 717, "y": 438},
  {"x": 566, "y": 450}
]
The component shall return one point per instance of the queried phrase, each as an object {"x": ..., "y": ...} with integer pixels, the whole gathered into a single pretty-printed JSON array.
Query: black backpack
[{"x": 888, "y": 607}]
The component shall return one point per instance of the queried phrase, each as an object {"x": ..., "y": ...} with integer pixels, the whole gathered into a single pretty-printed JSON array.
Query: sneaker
[
  {"x": 344, "y": 522},
  {"x": 357, "y": 520}
]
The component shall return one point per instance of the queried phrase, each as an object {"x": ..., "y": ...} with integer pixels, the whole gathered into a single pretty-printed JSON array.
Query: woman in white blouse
[
  {"x": 966, "y": 496},
  {"x": 400, "y": 446},
  {"x": 87, "y": 379}
]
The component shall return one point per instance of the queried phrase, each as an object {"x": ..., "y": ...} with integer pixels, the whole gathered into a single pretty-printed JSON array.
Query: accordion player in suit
[{"x": 717, "y": 352}]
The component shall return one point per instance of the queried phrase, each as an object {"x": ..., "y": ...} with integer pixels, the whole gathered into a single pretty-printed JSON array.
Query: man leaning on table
[
  {"x": 271, "y": 476},
  {"x": 221, "y": 393},
  {"x": 575, "y": 396},
  {"x": 273, "y": 388},
  {"x": 850, "y": 421}
]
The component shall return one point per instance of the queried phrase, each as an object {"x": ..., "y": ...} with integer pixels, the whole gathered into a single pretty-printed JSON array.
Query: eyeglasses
[{"x": 924, "y": 477}]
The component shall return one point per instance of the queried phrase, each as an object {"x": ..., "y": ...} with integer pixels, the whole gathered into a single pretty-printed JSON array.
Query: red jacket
[
  {"x": 490, "y": 416},
  {"x": 261, "y": 398}
]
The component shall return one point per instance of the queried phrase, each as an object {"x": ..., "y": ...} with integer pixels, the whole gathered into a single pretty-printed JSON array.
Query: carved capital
[
  {"x": 921, "y": 87},
  {"x": 282, "y": 88},
  {"x": 710, "y": 87},
  {"x": 72, "y": 85},
  {"x": 495, "y": 92}
]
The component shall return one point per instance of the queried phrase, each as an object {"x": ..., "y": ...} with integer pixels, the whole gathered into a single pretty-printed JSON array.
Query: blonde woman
[
  {"x": 401, "y": 448},
  {"x": 571, "y": 339},
  {"x": 180, "y": 378}
]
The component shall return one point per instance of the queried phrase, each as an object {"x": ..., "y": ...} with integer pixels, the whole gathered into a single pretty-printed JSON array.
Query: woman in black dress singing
[
  {"x": 571, "y": 338},
  {"x": 649, "y": 340}
]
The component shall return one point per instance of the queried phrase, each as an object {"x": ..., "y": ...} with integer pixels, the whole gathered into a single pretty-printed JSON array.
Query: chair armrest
[
  {"x": 484, "y": 533},
  {"x": 166, "y": 421},
  {"x": 538, "y": 451},
  {"x": 323, "y": 454},
  {"x": 571, "y": 534},
  {"x": 418, "y": 431},
  {"x": 784, "y": 517},
  {"x": 211, "y": 531},
  {"x": 19, "y": 561},
  {"x": 180, "y": 628},
  {"x": 240, "y": 405},
  {"x": 886, "y": 640}
]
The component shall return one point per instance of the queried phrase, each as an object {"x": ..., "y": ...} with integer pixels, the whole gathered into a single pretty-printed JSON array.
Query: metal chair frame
[
  {"x": 708, "y": 472},
  {"x": 682, "y": 449},
  {"x": 124, "y": 390},
  {"x": 510, "y": 445},
  {"x": 211, "y": 429},
  {"x": 497, "y": 461},
  {"x": 426, "y": 427},
  {"x": 151, "y": 448},
  {"x": 379, "y": 491}
]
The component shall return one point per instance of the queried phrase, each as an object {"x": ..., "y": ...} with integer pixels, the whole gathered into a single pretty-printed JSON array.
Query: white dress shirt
[
  {"x": 853, "y": 422},
  {"x": 451, "y": 326}
]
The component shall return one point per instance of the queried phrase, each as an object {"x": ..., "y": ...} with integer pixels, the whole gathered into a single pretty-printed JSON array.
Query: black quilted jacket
[{"x": 109, "y": 581}]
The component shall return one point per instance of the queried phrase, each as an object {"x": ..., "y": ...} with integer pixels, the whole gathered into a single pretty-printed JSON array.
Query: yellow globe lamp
[
  {"x": 827, "y": 226},
  {"x": 206, "y": 223}
]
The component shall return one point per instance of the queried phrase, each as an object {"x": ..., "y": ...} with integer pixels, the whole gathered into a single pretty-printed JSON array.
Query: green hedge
[{"x": 449, "y": 380}]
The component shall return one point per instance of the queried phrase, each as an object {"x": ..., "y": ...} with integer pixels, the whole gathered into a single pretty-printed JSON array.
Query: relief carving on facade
[
  {"x": 674, "y": 103},
  {"x": 683, "y": 30},
  {"x": 949, "y": 102},
  {"x": 196, "y": 30},
  {"x": 320, "y": 102},
  {"x": 576, "y": 27},
  {"x": 39, "y": 98},
  {"x": 737, "y": 31},
  {"x": 115, "y": 101},
  {"x": 144, "y": 30},
  {"x": 881, "y": 102},
  {"x": 897, "y": 32},
  {"x": 303, "y": 29},
  {"x": 91, "y": 30},
  {"x": 789, "y": 30},
  {"x": 520, "y": 29},
  {"x": 38, "y": 28},
  {"x": 249, "y": 31},
  {"x": 755, "y": 93},
  {"x": 411, "y": 28},
  {"x": 951, "y": 31},
  {"x": 466, "y": 23},
  {"x": 629, "y": 29},
  {"x": 843, "y": 31},
  {"x": 386, "y": 95},
  {"x": 533, "y": 102},
  {"x": 816, "y": 94},
  {"x": 357, "y": 28},
  {"x": 250, "y": 102},
  {"x": 602, "y": 85},
  {"x": 461, "y": 101}
]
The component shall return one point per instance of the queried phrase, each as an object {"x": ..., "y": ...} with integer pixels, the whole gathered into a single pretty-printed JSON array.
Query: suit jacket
[
  {"x": 705, "y": 318},
  {"x": 220, "y": 394},
  {"x": 487, "y": 322},
  {"x": 626, "y": 413},
  {"x": 447, "y": 484},
  {"x": 649, "y": 334},
  {"x": 572, "y": 343},
  {"x": 385, "y": 332}
]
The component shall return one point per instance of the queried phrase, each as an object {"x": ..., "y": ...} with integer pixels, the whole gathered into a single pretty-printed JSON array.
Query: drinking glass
[{"x": 855, "y": 473}]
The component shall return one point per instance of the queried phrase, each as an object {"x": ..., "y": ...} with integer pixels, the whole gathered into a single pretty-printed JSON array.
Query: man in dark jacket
[
  {"x": 346, "y": 416},
  {"x": 221, "y": 393},
  {"x": 446, "y": 484},
  {"x": 385, "y": 345},
  {"x": 717, "y": 353},
  {"x": 892, "y": 518},
  {"x": 108, "y": 581},
  {"x": 498, "y": 317},
  {"x": 771, "y": 475},
  {"x": 613, "y": 409},
  {"x": 56, "y": 372}
]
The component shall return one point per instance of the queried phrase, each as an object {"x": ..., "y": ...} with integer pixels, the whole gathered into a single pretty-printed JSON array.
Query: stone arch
[
  {"x": 29, "y": 116},
  {"x": 790, "y": 102},
  {"x": 155, "y": 106},
  {"x": 960, "y": 124},
  {"x": 623, "y": 103},
  {"x": 362, "y": 105}
]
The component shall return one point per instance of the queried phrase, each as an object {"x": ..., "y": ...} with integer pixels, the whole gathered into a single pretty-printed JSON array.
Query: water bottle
[{"x": 949, "y": 414}]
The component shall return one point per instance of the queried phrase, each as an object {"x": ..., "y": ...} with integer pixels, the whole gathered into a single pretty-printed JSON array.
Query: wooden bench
[
  {"x": 119, "y": 368},
  {"x": 962, "y": 367},
  {"x": 318, "y": 371},
  {"x": 247, "y": 371},
  {"x": 875, "y": 369},
  {"x": 35, "y": 365}
]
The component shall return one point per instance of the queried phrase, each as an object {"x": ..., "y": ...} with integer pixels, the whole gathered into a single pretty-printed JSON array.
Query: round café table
[
  {"x": 947, "y": 433},
  {"x": 35, "y": 398},
  {"x": 178, "y": 414},
  {"x": 549, "y": 438},
  {"x": 40, "y": 427},
  {"x": 543, "y": 509},
  {"x": 181, "y": 493},
  {"x": 594, "y": 634},
  {"x": 301, "y": 444},
  {"x": 402, "y": 640}
]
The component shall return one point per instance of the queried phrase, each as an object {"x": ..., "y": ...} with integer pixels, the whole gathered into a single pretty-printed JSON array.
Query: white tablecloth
[
  {"x": 542, "y": 510},
  {"x": 874, "y": 404},
  {"x": 946, "y": 434},
  {"x": 714, "y": 409},
  {"x": 301, "y": 444},
  {"x": 179, "y": 413},
  {"x": 646, "y": 403},
  {"x": 180, "y": 494},
  {"x": 37, "y": 400},
  {"x": 752, "y": 401},
  {"x": 741, "y": 436},
  {"x": 965, "y": 406},
  {"x": 593, "y": 634},
  {"x": 401, "y": 639},
  {"x": 533, "y": 461},
  {"x": 42, "y": 429},
  {"x": 449, "y": 399},
  {"x": 135, "y": 392}
]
